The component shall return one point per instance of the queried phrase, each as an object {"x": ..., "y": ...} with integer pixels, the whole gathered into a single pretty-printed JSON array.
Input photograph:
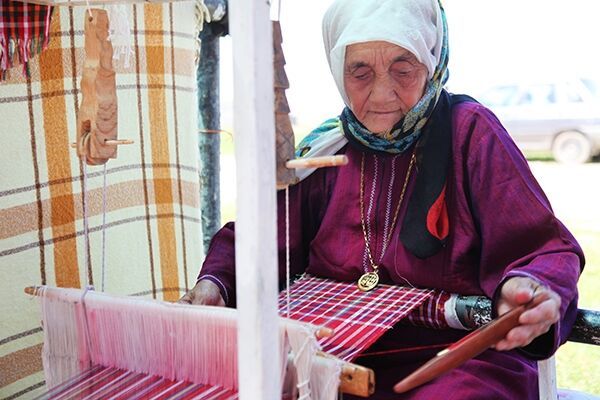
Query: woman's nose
[{"x": 383, "y": 89}]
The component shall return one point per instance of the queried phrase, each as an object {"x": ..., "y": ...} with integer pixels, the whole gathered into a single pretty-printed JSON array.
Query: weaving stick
[
  {"x": 318, "y": 162},
  {"x": 468, "y": 347}
]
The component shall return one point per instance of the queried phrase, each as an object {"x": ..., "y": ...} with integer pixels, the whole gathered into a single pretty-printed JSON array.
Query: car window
[
  {"x": 572, "y": 95},
  {"x": 593, "y": 86},
  {"x": 538, "y": 95},
  {"x": 500, "y": 96}
]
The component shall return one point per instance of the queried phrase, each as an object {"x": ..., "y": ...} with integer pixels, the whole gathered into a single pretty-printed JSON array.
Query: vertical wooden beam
[
  {"x": 547, "y": 379},
  {"x": 256, "y": 235}
]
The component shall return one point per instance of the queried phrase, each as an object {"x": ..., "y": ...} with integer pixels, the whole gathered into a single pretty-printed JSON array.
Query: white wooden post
[
  {"x": 547, "y": 379},
  {"x": 256, "y": 234}
]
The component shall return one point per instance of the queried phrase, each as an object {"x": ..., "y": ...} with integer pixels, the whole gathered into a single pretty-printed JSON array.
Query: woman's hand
[
  {"x": 205, "y": 293},
  {"x": 534, "y": 322}
]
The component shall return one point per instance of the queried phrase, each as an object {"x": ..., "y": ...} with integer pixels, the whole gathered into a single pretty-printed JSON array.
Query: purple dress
[{"x": 501, "y": 225}]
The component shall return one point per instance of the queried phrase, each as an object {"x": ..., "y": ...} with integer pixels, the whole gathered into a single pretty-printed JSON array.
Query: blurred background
[{"x": 535, "y": 63}]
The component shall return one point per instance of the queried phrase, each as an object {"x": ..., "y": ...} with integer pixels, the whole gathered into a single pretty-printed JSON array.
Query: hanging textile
[
  {"x": 24, "y": 32},
  {"x": 357, "y": 318}
]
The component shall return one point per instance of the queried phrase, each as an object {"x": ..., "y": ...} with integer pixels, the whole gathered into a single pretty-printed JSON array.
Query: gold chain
[{"x": 362, "y": 207}]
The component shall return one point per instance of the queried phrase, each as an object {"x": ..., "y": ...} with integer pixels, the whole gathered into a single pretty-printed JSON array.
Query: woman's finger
[{"x": 545, "y": 312}]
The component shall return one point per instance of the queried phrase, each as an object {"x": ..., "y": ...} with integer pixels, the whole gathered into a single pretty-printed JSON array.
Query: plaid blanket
[
  {"x": 152, "y": 226},
  {"x": 357, "y": 318},
  {"x": 24, "y": 32}
]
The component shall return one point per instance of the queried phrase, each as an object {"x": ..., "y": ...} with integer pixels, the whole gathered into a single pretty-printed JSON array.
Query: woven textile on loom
[
  {"x": 153, "y": 231},
  {"x": 100, "y": 333},
  {"x": 357, "y": 318}
]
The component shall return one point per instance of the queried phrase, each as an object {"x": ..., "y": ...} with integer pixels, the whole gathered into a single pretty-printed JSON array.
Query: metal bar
[{"x": 209, "y": 144}]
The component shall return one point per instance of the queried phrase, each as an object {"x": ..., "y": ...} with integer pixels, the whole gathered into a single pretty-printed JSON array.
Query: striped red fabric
[
  {"x": 431, "y": 313},
  {"x": 100, "y": 383},
  {"x": 357, "y": 318},
  {"x": 24, "y": 32}
]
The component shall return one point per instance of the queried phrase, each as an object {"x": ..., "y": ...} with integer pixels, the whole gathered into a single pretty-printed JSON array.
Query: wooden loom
[
  {"x": 97, "y": 149},
  {"x": 97, "y": 135}
]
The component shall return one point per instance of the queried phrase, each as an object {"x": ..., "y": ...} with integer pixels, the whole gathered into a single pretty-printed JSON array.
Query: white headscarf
[{"x": 415, "y": 25}]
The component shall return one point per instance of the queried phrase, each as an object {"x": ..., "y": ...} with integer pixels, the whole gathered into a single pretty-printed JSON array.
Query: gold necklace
[{"x": 369, "y": 280}]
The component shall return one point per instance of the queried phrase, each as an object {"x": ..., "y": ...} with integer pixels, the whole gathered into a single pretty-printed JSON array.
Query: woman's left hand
[{"x": 534, "y": 322}]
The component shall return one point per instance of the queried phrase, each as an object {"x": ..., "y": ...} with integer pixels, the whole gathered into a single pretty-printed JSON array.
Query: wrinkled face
[{"x": 383, "y": 82}]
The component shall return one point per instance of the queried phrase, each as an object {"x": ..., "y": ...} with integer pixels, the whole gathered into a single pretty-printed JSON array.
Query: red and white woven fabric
[
  {"x": 109, "y": 383},
  {"x": 431, "y": 313},
  {"x": 357, "y": 318}
]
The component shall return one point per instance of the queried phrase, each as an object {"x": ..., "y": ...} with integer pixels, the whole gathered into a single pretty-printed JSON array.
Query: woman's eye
[{"x": 361, "y": 73}]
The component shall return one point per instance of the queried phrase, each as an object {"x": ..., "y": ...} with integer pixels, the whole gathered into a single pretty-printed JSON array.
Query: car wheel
[{"x": 572, "y": 148}]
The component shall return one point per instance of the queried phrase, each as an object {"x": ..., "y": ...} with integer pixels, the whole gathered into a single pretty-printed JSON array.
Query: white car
[{"x": 561, "y": 117}]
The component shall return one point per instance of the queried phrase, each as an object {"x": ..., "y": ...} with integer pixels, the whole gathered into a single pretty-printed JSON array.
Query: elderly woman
[{"x": 436, "y": 195}]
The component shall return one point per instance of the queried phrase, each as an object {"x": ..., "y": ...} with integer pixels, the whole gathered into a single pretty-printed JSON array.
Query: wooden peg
[
  {"x": 32, "y": 290},
  {"x": 111, "y": 142},
  {"x": 324, "y": 332},
  {"x": 318, "y": 162}
]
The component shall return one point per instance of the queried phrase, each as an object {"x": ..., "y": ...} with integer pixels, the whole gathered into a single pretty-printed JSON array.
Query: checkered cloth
[
  {"x": 24, "y": 32},
  {"x": 153, "y": 217},
  {"x": 357, "y": 318}
]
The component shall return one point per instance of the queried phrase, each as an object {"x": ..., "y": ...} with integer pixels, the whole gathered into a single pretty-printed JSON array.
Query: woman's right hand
[{"x": 205, "y": 293}]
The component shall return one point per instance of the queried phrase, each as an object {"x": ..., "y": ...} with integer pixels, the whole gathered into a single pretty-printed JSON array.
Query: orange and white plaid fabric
[{"x": 153, "y": 230}]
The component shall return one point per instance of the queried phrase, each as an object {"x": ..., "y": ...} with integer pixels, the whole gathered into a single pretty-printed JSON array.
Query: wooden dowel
[
  {"x": 318, "y": 162},
  {"x": 115, "y": 142},
  {"x": 32, "y": 290},
  {"x": 354, "y": 379},
  {"x": 324, "y": 332}
]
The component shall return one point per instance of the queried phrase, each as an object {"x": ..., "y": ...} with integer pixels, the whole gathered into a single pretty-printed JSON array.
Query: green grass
[{"x": 577, "y": 365}]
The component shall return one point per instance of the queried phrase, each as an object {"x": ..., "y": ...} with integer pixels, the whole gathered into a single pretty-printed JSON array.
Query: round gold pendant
[{"x": 368, "y": 281}]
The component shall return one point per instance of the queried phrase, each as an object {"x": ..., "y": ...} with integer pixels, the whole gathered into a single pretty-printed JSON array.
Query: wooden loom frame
[{"x": 255, "y": 244}]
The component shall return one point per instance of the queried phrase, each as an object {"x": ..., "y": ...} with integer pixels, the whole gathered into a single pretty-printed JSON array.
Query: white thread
[
  {"x": 89, "y": 8},
  {"x": 287, "y": 250},
  {"x": 325, "y": 378},
  {"x": 304, "y": 348},
  {"x": 86, "y": 233},
  {"x": 103, "y": 232},
  {"x": 119, "y": 32}
]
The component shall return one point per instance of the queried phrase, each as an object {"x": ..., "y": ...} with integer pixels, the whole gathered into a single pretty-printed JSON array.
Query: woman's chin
[
  {"x": 381, "y": 127},
  {"x": 381, "y": 123}
]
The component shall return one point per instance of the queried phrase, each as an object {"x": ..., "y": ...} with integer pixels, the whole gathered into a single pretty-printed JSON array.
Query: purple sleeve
[
  {"x": 520, "y": 236},
  {"x": 307, "y": 204}
]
